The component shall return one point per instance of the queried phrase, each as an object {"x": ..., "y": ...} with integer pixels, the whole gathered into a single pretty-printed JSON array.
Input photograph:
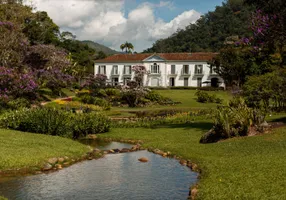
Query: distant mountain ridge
[{"x": 99, "y": 47}]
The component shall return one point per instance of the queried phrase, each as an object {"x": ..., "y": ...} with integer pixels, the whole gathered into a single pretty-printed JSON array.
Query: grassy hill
[{"x": 99, "y": 47}]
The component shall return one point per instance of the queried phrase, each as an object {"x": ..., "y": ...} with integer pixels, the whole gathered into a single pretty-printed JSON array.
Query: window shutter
[{"x": 104, "y": 69}]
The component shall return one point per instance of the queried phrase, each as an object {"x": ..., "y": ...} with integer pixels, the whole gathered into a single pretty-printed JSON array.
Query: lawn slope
[{"x": 20, "y": 150}]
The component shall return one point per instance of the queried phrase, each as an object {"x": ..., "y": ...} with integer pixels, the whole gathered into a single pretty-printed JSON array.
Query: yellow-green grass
[
  {"x": 186, "y": 97},
  {"x": 24, "y": 150},
  {"x": 240, "y": 168}
]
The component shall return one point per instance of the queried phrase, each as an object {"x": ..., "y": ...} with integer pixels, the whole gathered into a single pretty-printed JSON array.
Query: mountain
[
  {"x": 210, "y": 32},
  {"x": 99, "y": 47}
]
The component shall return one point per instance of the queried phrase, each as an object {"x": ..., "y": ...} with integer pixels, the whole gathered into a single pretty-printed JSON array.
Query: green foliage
[
  {"x": 102, "y": 103},
  {"x": 40, "y": 120},
  {"x": 210, "y": 31},
  {"x": 55, "y": 122},
  {"x": 234, "y": 120},
  {"x": 90, "y": 123},
  {"x": 18, "y": 104},
  {"x": 266, "y": 91},
  {"x": 204, "y": 97}
]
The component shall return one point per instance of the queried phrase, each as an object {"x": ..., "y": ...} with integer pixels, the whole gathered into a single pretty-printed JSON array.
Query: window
[
  {"x": 173, "y": 69},
  {"x": 199, "y": 69},
  {"x": 115, "y": 81},
  {"x": 115, "y": 70},
  {"x": 155, "y": 69},
  {"x": 102, "y": 69},
  {"x": 212, "y": 70},
  {"x": 127, "y": 69},
  {"x": 126, "y": 80},
  {"x": 186, "y": 69},
  {"x": 199, "y": 82}
]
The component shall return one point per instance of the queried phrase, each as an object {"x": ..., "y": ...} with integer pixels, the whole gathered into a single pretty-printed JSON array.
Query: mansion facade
[{"x": 164, "y": 69}]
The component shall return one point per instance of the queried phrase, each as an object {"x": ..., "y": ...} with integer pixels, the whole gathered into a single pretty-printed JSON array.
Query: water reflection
[{"x": 118, "y": 176}]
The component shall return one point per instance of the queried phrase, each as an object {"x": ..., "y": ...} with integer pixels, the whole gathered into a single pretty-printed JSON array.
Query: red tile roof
[{"x": 166, "y": 56}]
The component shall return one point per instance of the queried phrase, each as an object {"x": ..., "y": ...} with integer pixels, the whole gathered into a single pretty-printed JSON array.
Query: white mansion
[{"x": 165, "y": 69}]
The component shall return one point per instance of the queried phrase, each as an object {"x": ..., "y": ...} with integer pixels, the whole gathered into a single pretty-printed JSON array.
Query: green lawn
[
  {"x": 20, "y": 150},
  {"x": 186, "y": 97},
  {"x": 240, "y": 168}
]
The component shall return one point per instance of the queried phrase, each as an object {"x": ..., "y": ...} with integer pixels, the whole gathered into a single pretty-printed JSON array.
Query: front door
[
  {"x": 199, "y": 84},
  {"x": 186, "y": 82},
  {"x": 172, "y": 82}
]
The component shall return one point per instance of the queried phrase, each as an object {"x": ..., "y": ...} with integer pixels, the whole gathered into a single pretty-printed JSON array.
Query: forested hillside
[
  {"x": 99, "y": 47},
  {"x": 210, "y": 31}
]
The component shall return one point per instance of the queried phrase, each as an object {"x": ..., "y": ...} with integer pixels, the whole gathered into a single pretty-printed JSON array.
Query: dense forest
[{"x": 209, "y": 33}]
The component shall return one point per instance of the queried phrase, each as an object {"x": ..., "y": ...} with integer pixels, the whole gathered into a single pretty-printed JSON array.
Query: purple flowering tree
[
  {"x": 94, "y": 83},
  {"x": 13, "y": 45},
  {"x": 15, "y": 85}
]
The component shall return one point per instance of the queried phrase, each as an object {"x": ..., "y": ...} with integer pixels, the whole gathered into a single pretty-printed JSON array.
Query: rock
[
  {"x": 116, "y": 150},
  {"x": 110, "y": 151},
  {"x": 143, "y": 159},
  {"x": 96, "y": 150},
  {"x": 168, "y": 153},
  {"x": 141, "y": 148},
  {"x": 164, "y": 154},
  {"x": 53, "y": 161},
  {"x": 90, "y": 158},
  {"x": 66, "y": 158},
  {"x": 194, "y": 167},
  {"x": 124, "y": 150},
  {"x": 183, "y": 162},
  {"x": 61, "y": 160},
  {"x": 105, "y": 152},
  {"x": 210, "y": 137},
  {"x": 58, "y": 166},
  {"x": 194, "y": 193},
  {"x": 47, "y": 167},
  {"x": 91, "y": 136},
  {"x": 65, "y": 164}
]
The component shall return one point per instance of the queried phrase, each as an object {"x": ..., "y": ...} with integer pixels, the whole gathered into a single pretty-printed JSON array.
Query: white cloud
[{"x": 105, "y": 21}]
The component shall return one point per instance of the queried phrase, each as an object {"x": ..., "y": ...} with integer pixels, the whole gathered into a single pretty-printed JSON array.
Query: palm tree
[{"x": 127, "y": 46}]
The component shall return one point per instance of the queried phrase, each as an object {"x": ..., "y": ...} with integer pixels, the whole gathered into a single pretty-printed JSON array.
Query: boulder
[
  {"x": 143, "y": 159},
  {"x": 53, "y": 161},
  {"x": 111, "y": 151},
  {"x": 47, "y": 167},
  {"x": 96, "y": 150},
  {"x": 183, "y": 162},
  {"x": 66, "y": 158},
  {"x": 124, "y": 150},
  {"x": 116, "y": 150},
  {"x": 65, "y": 164},
  {"x": 61, "y": 160},
  {"x": 210, "y": 137},
  {"x": 58, "y": 166}
]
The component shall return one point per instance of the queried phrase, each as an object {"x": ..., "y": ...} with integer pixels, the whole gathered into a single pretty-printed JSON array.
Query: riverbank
[
  {"x": 239, "y": 168},
  {"x": 19, "y": 150}
]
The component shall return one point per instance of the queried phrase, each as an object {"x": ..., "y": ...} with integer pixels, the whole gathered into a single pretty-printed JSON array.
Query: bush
[
  {"x": 112, "y": 92},
  {"x": 102, "y": 103},
  {"x": 18, "y": 103},
  {"x": 233, "y": 120},
  {"x": 157, "y": 98},
  {"x": 40, "y": 120},
  {"x": 51, "y": 121},
  {"x": 204, "y": 97},
  {"x": 90, "y": 123}
]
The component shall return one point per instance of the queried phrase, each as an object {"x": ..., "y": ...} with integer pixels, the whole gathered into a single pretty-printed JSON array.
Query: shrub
[
  {"x": 52, "y": 121},
  {"x": 102, "y": 103},
  {"x": 39, "y": 120},
  {"x": 233, "y": 120},
  {"x": 112, "y": 92},
  {"x": 18, "y": 103},
  {"x": 90, "y": 123},
  {"x": 204, "y": 97},
  {"x": 86, "y": 98}
]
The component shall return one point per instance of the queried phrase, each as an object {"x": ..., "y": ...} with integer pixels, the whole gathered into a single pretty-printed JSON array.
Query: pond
[{"x": 116, "y": 176}]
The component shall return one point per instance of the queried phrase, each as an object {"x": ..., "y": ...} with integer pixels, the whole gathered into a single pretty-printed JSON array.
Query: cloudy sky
[{"x": 112, "y": 22}]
